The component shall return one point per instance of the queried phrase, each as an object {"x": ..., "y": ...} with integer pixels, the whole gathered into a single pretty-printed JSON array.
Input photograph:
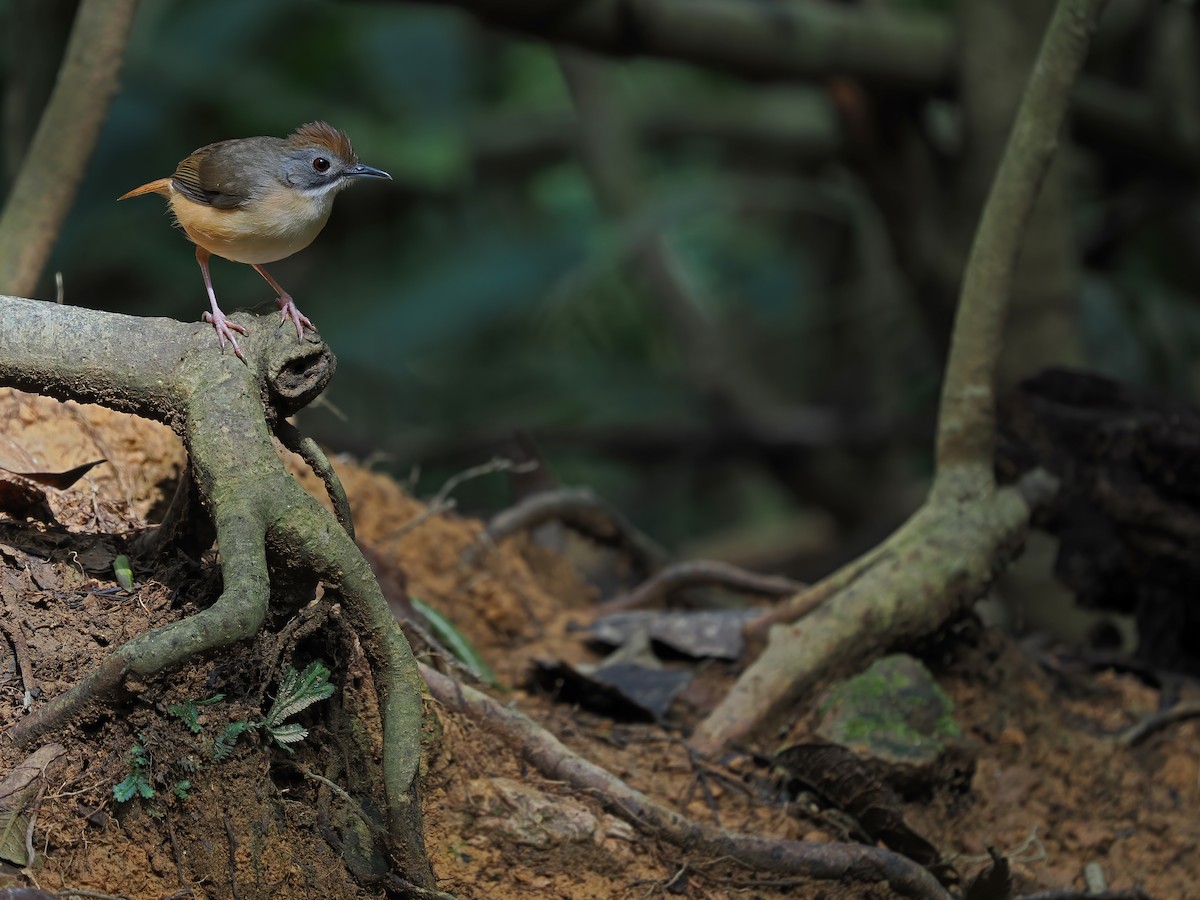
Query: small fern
[
  {"x": 189, "y": 711},
  {"x": 292, "y": 733},
  {"x": 297, "y": 692},
  {"x": 224, "y": 745},
  {"x": 137, "y": 782}
]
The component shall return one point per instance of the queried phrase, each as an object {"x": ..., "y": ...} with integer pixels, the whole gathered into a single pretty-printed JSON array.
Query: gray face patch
[{"x": 315, "y": 171}]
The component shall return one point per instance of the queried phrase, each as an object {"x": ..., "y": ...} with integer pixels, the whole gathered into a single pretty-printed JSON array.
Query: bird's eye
[{"x": 321, "y": 164}]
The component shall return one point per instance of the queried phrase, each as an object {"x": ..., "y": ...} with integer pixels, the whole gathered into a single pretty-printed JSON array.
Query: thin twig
[
  {"x": 809, "y": 599},
  {"x": 176, "y": 854},
  {"x": 556, "y": 761},
  {"x": 697, "y": 572},
  {"x": 21, "y": 651},
  {"x": 32, "y": 810},
  {"x": 442, "y": 502},
  {"x": 577, "y": 508},
  {"x": 437, "y": 508},
  {"x": 415, "y": 890},
  {"x": 233, "y": 848},
  {"x": 1134, "y": 735},
  {"x": 307, "y": 621},
  {"x": 150, "y": 542},
  {"x": 355, "y": 807}
]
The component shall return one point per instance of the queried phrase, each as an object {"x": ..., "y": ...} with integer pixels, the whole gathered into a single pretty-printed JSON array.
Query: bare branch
[
  {"x": 577, "y": 508},
  {"x": 556, "y": 761},
  {"x": 55, "y": 162},
  {"x": 698, "y": 572},
  {"x": 966, "y": 424},
  {"x": 948, "y": 552},
  {"x": 778, "y": 40}
]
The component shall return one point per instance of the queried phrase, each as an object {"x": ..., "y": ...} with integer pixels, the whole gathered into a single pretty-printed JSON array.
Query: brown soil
[{"x": 1051, "y": 786}]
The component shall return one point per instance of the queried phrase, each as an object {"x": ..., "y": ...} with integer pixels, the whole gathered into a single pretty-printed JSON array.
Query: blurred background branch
[
  {"x": 781, "y": 40},
  {"x": 714, "y": 278},
  {"x": 53, "y": 163}
]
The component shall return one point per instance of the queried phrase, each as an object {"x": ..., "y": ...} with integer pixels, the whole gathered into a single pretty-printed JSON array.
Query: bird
[{"x": 257, "y": 200}]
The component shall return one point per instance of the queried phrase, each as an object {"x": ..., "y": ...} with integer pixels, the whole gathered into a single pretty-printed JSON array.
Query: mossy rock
[{"x": 896, "y": 715}]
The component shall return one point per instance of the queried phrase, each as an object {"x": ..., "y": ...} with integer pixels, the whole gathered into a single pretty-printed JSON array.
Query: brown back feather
[{"x": 224, "y": 175}]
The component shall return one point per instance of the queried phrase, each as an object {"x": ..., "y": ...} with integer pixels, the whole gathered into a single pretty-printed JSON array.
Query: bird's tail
[{"x": 161, "y": 186}]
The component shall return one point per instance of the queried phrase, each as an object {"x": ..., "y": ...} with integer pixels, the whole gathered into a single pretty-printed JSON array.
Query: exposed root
[
  {"x": 577, "y": 508},
  {"x": 268, "y": 528},
  {"x": 1135, "y": 734},
  {"x": 806, "y": 601},
  {"x": 939, "y": 560},
  {"x": 16, "y": 636},
  {"x": 310, "y": 451},
  {"x": 839, "y": 862},
  {"x": 694, "y": 573}
]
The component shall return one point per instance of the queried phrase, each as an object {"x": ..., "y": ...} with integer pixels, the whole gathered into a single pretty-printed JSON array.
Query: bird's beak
[{"x": 367, "y": 172}]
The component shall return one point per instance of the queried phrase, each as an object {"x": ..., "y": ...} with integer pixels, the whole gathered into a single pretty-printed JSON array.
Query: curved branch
[
  {"x": 695, "y": 573},
  {"x": 55, "y": 162},
  {"x": 554, "y": 760},
  {"x": 577, "y": 508},
  {"x": 949, "y": 551},
  {"x": 223, "y": 409},
  {"x": 792, "y": 40},
  {"x": 967, "y": 420},
  {"x": 306, "y": 529},
  {"x": 236, "y": 616}
]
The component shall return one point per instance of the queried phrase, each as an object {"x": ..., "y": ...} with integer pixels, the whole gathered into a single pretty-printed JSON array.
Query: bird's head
[{"x": 319, "y": 161}]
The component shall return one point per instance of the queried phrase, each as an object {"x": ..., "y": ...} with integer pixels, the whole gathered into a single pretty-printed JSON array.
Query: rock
[
  {"x": 895, "y": 716},
  {"x": 524, "y": 815}
]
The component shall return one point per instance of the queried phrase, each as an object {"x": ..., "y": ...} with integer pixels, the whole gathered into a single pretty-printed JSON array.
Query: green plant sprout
[
  {"x": 189, "y": 711},
  {"x": 297, "y": 692},
  {"x": 137, "y": 782}
]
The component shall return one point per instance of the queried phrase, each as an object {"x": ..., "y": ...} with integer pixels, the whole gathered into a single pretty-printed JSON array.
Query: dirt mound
[{"x": 1051, "y": 786}]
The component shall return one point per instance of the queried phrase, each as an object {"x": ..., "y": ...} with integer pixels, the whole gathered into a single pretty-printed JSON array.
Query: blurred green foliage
[{"x": 486, "y": 291}]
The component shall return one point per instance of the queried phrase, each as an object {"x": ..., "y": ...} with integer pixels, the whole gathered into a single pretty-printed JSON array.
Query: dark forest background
[{"x": 720, "y": 301}]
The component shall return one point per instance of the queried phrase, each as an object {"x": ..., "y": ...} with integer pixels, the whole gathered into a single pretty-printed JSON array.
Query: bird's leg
[
  {"x": 287, "y": 306},
  {"x": 223, "y": 327}
]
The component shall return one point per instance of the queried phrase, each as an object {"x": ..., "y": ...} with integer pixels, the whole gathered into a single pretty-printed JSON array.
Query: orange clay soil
[{"x": 1051, "y": 786}]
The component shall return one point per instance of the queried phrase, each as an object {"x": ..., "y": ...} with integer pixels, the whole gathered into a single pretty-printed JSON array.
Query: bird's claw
[
  {"x": 287, "y": 310},
  {"x": 225, "y": 329}
]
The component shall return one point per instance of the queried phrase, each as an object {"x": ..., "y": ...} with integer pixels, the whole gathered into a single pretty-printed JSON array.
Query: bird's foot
[
  {"x": 287, "y": 309},
  {"x": 225, "y": 329}
]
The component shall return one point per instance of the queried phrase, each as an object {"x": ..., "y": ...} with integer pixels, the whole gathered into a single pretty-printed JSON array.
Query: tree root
[
  {"x": 840, "y": 862},
  {"x": 806, "y": 601},
  {"x": 310, "y": 451},
  {"x": 698, "y": 572},
  {"x": 942, "y": 558},
  {"x": 949, "y": 551},
  {"x": 577, "y": 508},
  {"x": 266, "y": 524}
]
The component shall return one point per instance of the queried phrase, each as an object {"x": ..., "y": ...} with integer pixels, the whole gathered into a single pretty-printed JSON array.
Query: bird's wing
[{"x": 219, "y": 175}]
